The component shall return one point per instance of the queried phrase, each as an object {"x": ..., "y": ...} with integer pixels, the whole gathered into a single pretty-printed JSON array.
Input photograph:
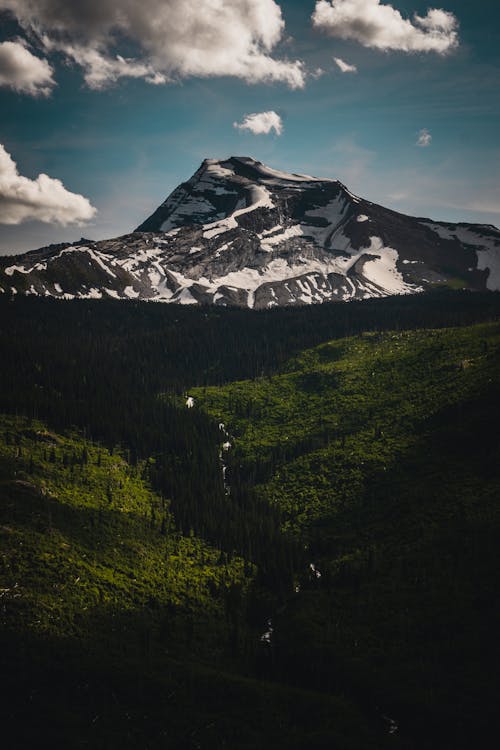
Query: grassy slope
[
  {"x": 114, "y": 626},
  {"x": 349, "y": 409},
  {"x": 85, "y": 538},
  {"x": 383, "y": 452}
]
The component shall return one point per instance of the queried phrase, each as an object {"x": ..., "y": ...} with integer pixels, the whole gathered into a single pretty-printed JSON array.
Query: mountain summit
[{"x": 241, "y": 233}]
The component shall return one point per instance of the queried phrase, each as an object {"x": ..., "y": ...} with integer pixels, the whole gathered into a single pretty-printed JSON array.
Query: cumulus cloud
[
  {"x": 261, "y": 123},
  {"x": 101, "y": 70},
  {"x": 374, "y": 24},
  {"x": 44, "y": 199},
  {"x": 344, "y": 66},
  {"x": 173, "y": 38},
  {"x": 22, "y": 71},
  {"x": 424, "y": 138}
]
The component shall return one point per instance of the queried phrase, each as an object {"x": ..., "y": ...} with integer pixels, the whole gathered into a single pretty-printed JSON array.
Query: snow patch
[
  {"x": 275, "y": 239},
  {"x": 214, "y": 167},
  {"x": 383, "y": 271},
  {"x": 91, "y": 294},
  {"x": 11, "y": 269},
  {"x": 185, "y": 297},
  {"x": 467, "y": 235},
  {"x": 490, "y": 260},
  {"x": 487, "y": 247},
  {"x": 259, "y": 198},
  {"x": 277, "y": 174},
  {"x": 129, "y": 291}
]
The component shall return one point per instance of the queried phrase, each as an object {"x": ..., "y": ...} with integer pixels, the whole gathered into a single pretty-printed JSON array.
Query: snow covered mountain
[{"x": 240, "y": 233}]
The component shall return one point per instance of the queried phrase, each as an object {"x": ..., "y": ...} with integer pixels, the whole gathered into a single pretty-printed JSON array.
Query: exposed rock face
[{"x": 240, "y": 233}]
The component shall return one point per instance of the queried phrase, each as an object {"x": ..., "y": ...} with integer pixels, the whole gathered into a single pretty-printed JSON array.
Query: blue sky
[{"x": 125, "y": 145}]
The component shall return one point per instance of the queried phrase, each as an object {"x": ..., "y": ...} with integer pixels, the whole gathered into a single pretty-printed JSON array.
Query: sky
[{"x": 107, "y": 105}]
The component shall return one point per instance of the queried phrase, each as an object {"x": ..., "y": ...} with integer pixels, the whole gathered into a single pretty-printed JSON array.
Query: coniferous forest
[{"x": 223, "y": 528}]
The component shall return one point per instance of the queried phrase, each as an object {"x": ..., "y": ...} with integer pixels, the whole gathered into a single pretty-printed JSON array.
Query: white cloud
[
  {"x": 344, "y": 66},
  {"x": 424, "y": 138},
  {"x": 24, "y": 72},
  {"x": 173, "y": 38},
  {"x": 44, "y": 199},
  {"x": 101, "y": 70},
  {"x": 380, "y": 26},
  {"x": 261, "y": 123}
]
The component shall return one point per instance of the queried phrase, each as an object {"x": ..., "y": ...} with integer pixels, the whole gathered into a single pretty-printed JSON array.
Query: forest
[{"x": 229, "y": 528}]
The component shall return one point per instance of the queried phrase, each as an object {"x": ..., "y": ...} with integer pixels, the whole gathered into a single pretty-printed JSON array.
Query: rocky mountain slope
[{"x": 240, "y": 233}]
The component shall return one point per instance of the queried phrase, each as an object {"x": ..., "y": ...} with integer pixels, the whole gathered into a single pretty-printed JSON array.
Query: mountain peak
[
  {"x": 256, "y": 169},
  {"x": 241, "y": 233},
  {"x": 221, "y": 186}
]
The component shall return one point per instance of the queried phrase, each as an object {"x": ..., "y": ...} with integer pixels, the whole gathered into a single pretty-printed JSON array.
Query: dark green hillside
[
  {"x": 100, "y": 366},
  {"x": 383, "y": 453},
  {"x": 85, "y": 540},
  {"x": 136, "y": 586},
  {"x": 118, "y": 631},
  {"x": 349, "y": 409}
]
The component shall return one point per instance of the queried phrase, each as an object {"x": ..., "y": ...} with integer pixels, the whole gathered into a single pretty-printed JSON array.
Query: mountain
[{"x": 240, "y": 233}]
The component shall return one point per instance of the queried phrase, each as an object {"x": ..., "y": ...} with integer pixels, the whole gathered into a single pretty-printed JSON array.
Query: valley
[{"x": 328, "y": 582}]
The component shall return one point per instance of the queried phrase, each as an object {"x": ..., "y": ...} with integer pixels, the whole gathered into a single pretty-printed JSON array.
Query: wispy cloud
[
  {"x": 175, "y": 38},
  {"x": 424, "y": 138},
  {"x": 374, "y": 24},
  {"x": 344, "y": 66},
  {"x": 43, "y": 199},
  {"x": 22, "y": 71},
  {"x": 316, "y": 73},
  {"x": 261, "y": 123},
  {"x": 436, "y": 189},
  {"x": 348, "y": 161}
]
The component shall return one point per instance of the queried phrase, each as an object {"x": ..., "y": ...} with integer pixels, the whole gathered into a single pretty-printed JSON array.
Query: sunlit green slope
[
  {"x": 118, "y": 631},
  {"x": 360, "y": 515},
  {"x": 348, "y": 410},
  {"x": 383, "y": 453},
  {"x": 85, "y": 540}
]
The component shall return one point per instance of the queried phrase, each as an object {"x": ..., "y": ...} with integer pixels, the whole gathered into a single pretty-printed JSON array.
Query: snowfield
[{"x": 241, "y": 233}]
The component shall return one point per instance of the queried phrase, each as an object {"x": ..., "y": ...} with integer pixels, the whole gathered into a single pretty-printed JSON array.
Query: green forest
[{"x": 223, "y": 528}]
